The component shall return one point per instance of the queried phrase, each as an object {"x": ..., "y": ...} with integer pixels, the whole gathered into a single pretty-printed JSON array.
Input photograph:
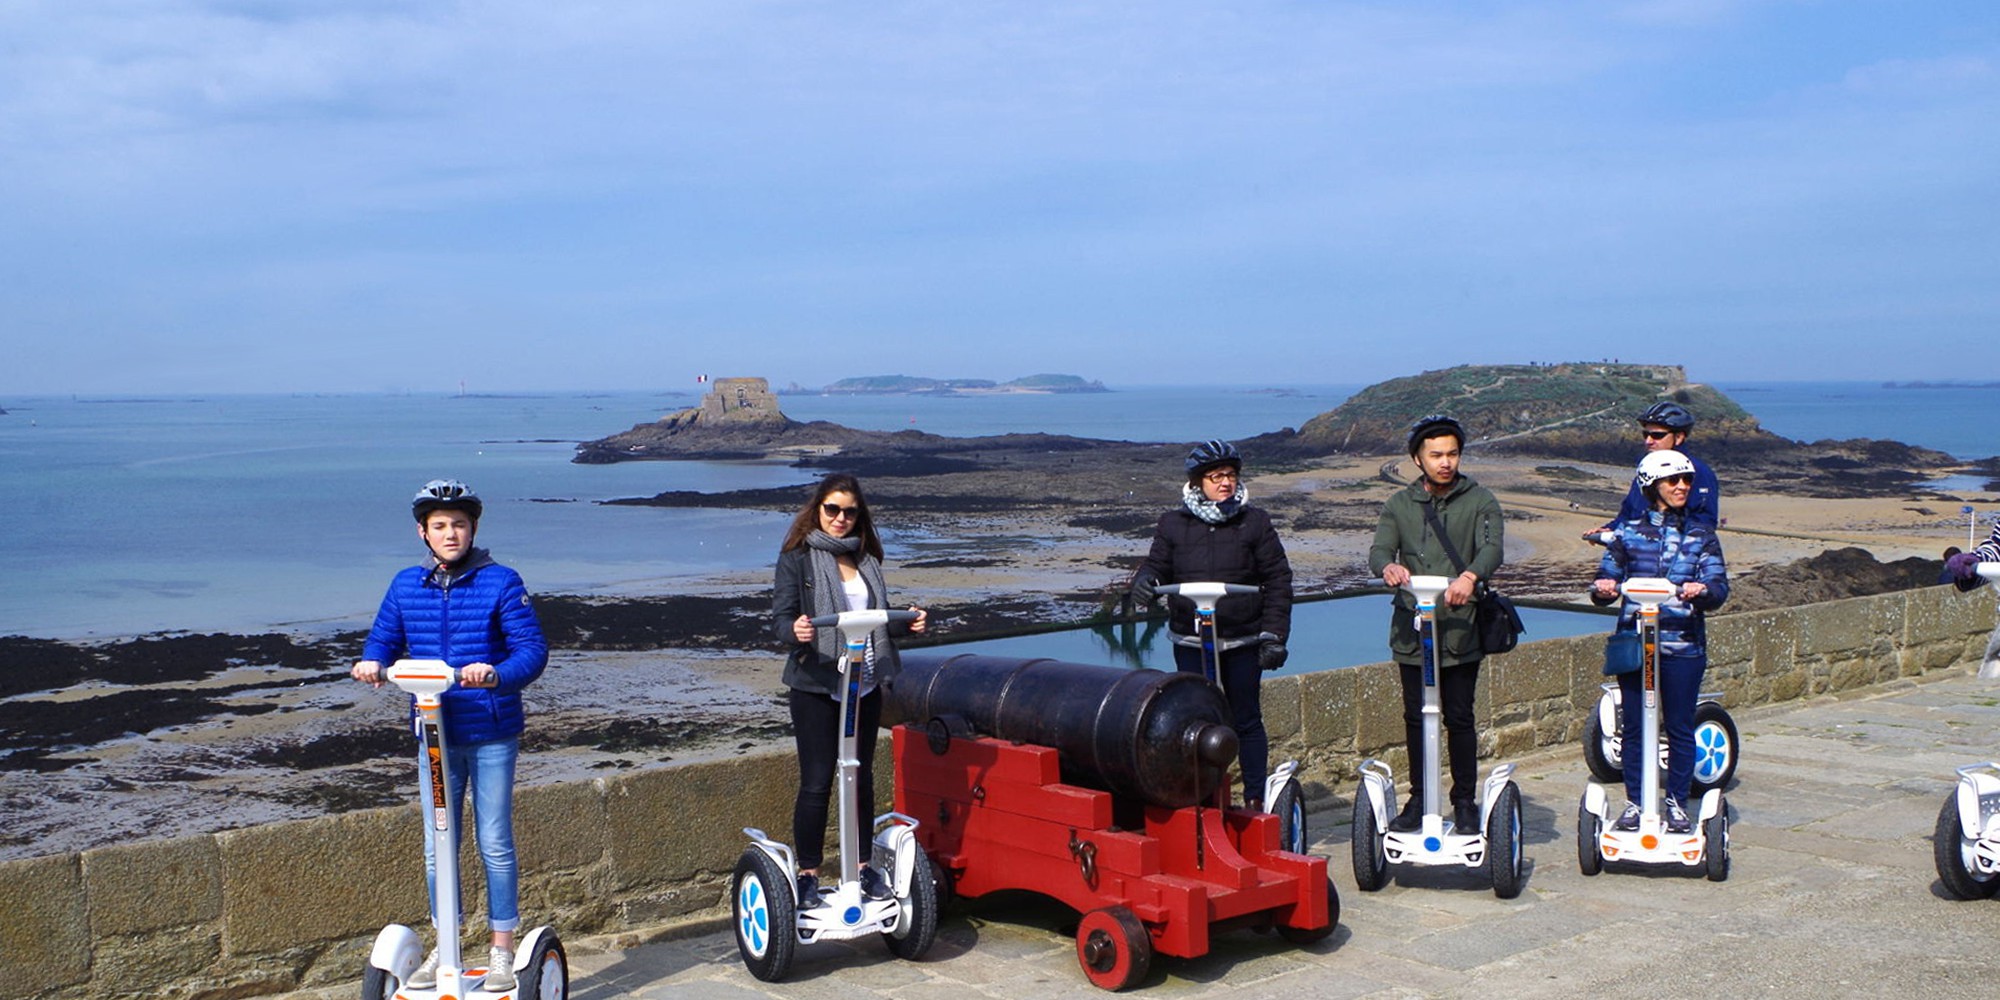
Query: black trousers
[
  {"x": 816, "y": 731},
  {"x": 1461, "y": 744}
]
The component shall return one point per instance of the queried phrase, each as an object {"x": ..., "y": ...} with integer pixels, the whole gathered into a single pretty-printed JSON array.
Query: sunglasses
[
  {"x": 1223, "y": 476},
  {"x": 1683, "y": 479},
  {"x": 1655, "y": 435},
  {"x": 834, "y": 511}
]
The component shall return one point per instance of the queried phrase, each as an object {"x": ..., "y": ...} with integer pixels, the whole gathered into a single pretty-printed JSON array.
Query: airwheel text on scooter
[
  {"x": 1966, "y": 842},
  {"x": 1706, "y": 846},
  {"x": 1495, "y": 846},
  {"x": 769, "y": 920},
  {"x": 1282, "y": 795},
  {"x": 541, "y": 969}
]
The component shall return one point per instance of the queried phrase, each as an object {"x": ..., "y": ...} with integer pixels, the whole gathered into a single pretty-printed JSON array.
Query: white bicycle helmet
[{"x": 1666, "y": 464}]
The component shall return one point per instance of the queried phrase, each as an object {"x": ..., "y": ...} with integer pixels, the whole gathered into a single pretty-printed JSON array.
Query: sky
[{"x": 411, "y": 195}]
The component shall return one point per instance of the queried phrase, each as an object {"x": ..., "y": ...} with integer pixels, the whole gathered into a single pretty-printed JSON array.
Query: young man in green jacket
[{"x": 1407, "y": 545}]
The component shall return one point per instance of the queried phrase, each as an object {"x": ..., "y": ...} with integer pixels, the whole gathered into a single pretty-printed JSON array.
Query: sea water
[{"x": 243, "y": 513}]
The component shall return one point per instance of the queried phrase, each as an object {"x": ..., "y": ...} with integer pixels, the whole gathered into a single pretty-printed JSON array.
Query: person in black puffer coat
[{"x": 1215, "y": 536}]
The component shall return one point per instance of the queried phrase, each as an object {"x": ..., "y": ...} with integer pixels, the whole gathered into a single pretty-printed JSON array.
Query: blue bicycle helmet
[
  {"x": 1432, "y": 426},
  {"x": 1209, "y": 454},
  {"x": 445, "y": 494},
  {"x": 1672, "y": 416}
]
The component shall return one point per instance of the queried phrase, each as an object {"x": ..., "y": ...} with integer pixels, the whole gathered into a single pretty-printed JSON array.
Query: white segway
[
  {"x": 541, "y": 969},
  {"x": 1715, "y": 740},
  {"x": 769, "y": 921},
  {"x": 1967, "y": 840},
  {"x": 1707, "y": 845},
  {"x": 1495, "y": 846},
  {"x": 1283, "y": 797}
]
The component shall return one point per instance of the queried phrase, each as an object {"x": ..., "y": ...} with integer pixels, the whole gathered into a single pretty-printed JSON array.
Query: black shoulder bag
[{"x": 1493, "y": 616}]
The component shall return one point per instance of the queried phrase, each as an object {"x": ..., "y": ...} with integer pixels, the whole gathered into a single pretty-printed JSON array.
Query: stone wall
[{"x": 294, "y": 906}]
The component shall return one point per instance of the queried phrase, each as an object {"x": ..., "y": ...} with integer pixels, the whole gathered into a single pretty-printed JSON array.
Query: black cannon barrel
[{"x": 1161, "y": 737}]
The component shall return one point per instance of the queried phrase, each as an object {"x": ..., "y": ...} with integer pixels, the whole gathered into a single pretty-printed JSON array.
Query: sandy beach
[{"x": 177, "y": 735}]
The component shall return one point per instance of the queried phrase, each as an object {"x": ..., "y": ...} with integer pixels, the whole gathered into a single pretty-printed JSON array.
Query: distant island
[
  {"x": 885, "y": 385},
  {"x": 1941, "y": 385}
]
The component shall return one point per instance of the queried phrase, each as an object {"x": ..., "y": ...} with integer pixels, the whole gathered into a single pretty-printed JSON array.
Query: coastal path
[{"x": 1832, "y": 893}]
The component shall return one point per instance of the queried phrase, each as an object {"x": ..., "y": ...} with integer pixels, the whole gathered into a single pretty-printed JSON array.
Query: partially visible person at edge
[
  {"x": 831, "y": 561},
  {"x": 1665, "y": 427},
  {"x": 1668, "y": 542},
  {"x": 1216, "y": 536},
  {"x": 1406, "y": 545},
  {"x": 461, "y": 607},
  {"x": 1964, "y": 570},
  {"x": 1945, "y": 575}
]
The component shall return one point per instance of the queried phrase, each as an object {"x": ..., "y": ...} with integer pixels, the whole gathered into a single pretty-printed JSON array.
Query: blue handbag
[{"x": 1622, "y": 653}]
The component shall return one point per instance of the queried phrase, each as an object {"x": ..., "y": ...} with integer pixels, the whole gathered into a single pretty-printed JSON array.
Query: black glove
[
  {"x": 1143, "y": 594},
  {"x": 1271, "y": 655}
]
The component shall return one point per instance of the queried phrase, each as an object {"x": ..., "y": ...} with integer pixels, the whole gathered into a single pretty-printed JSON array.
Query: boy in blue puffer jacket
[{"x": 473, "y": 613}]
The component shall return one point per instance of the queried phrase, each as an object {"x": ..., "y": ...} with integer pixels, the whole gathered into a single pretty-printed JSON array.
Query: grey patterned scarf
[
  {"x": 1213, "y": 511},
  {"x": 828, "y": 594}
]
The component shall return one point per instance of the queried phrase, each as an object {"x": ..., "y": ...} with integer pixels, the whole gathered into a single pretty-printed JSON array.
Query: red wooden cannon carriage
[{"x": 1098, "y": 787}]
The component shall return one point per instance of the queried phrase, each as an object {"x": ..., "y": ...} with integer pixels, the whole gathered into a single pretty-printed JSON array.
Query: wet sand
[{"x": 169, "y": 735}]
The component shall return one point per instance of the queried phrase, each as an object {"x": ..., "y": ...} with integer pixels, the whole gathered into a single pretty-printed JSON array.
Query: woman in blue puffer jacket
[
  {"x": 1666, "y": 543},
  {"x": 461, "y": 607}
]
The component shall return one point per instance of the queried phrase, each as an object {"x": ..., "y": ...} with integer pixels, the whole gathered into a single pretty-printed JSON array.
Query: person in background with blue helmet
[
  {"x": 461, "y": 607},
  {"x": 1216, "y": 536},
  {"x": 1668, "y": 542},
  {"x": 1665, "y": 427}
]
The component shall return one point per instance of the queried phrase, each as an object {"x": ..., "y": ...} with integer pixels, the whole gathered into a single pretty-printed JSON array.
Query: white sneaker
[
  {"x": 426, "y": 976},
  {"x": 499, "y": 970}
]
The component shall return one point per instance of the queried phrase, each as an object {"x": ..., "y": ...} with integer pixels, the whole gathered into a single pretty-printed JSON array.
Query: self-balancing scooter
[
  {"x": 1283, "y": 797},
  {"x": 1715, "y": 740},
  {"x": 1495, "y": 846},
  {"x": 1967, "y": 840},
  {"x": 769, "y": 919},
  {"x": 1597, "y": 840},
  {"x": 541, "y": 969}
]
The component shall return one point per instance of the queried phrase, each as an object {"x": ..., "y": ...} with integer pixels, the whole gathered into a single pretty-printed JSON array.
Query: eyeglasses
[
  {"x": 1222, "y": 476},
  {"x": 1684, "y": 479},
  {"x": 834, "y": 511},
  {"x": 1655, "y": 435}
]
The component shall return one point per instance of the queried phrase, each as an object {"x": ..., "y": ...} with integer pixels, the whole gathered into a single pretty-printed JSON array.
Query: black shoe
[
  {"x": 1628, "y": 820},
  {"x": 873, "y": 885},
  {"x": 808, "y": 891},
  {"x": 1411, "y": 819},
  {"x": 1677, "y": 817},
  {"x": 1465, "y": 817}
]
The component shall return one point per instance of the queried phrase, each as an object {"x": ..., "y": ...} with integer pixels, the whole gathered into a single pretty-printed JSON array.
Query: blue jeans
[
  {"x": 489, "y": 767},
  {"x": 1680, "y": 688},
  {"x": 1242, "y": 681}
]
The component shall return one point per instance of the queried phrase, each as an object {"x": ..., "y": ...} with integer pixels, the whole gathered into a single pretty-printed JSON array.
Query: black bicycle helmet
[
  {"x": 1431, "y": 426},
  {"x": 1209, "y": 454},
  {"x": 1672, "y": 416},
  {"x": 445, "y": 494}
]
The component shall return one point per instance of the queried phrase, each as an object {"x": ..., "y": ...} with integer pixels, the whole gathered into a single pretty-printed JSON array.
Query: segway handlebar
[
  {"x": 1427, "y": 588},
  {"x": 1649, "y": 591},
  {"x": 863, "y": 621},
  {"x": 1208, "y": 593},
  {"x": 1989, "y": 571},
  {"x": 426, "y": 677}
]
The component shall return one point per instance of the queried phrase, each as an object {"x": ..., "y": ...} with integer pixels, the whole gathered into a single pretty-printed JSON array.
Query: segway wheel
[
  {"x": 1503, "y": 843},
  {"x": 1371, "y": 862},
  {"x": 1290, "y": 808},
  {"x": 913, "y": 936},
  {"x": 1113, "y": 948},
  {"x": 766, "y": 915},
  {"x": 1954, "y": 856},
  {"x": 947, "y": 890},
  {"x": 1715, "y": 831},
  {"x": 1304, "y": 935},
  {"x": 1600, "y": 749},
  {"x": 378, "y": 985},
  {"x": 1715, "y": 745},
  {"x": 1589, "y": 859},
  {"x": 547, "y": 974}
]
